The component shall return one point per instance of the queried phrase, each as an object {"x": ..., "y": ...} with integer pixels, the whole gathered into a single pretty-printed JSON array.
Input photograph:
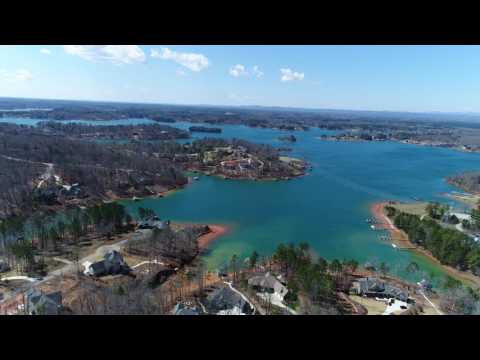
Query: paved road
[
  {"x": 98, "y": 253},
  {"x": 431, "y": 303},
  {"x": 71, "y": 267}
]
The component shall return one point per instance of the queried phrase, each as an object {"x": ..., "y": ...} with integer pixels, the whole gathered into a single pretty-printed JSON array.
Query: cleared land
[
  {"x": 415, "y": 208},
  {"x": 373, "y": 306}
]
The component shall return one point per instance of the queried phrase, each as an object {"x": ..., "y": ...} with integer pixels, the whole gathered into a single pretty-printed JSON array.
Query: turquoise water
[{"x": 327, "y": 208}]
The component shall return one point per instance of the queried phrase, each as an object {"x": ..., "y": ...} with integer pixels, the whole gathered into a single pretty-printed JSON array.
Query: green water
[{"x": 327, "y": 208}]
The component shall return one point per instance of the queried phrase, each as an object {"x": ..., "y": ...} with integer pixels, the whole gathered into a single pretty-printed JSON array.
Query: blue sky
[{"x": 397, "y": 78}]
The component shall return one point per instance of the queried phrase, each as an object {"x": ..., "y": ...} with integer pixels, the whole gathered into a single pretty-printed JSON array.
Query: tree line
[
  {"x": 449, "y": 246},
  {"x": 23, "y": 238}
]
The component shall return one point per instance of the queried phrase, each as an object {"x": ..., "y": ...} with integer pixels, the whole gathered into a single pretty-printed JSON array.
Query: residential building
[
  {"x": 38, "y": 303},
  {"x": 268, "y": 283}
]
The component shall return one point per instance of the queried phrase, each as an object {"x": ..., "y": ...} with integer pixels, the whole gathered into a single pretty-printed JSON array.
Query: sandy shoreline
[
  {"x": 216, "y": 231},
  {"x": 400, "y": 238}
]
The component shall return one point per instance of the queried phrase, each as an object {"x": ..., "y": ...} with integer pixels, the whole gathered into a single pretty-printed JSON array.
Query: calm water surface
[{"x": 327, "y": 208}]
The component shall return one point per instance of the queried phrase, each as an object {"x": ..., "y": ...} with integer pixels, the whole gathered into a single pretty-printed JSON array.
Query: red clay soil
[
  {"x": 216, "y": 231},
  {"x": 399, "y": 238}
]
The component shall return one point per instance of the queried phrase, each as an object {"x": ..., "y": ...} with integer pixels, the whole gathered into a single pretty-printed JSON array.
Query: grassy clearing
[
  {"x": 415, "y": 208},
  {"x": 373, "y": 306}
]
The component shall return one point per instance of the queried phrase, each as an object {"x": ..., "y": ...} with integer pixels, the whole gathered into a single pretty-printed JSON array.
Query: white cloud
[
  {"x": 290, "y": 75},
  {"x": 257, "y": 72},
  {"x": 45, "y": 51},
  {"x": 118, "y": 54},
  {"x": 20, "y": 75},
  {"x": 238, "y": 70},
  {"x": 192, "y": 61}
]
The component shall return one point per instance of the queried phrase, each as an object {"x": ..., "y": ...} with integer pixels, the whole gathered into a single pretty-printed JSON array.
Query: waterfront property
[
  {"x": 226, "y": 301},
  {"x": 186, "y": 309},
  {"x": 373, "y": 287},
  {"x": 111, "y": 264},
  {"x": 333, "y": 199},
  {"x": 269, "y": 284},
  {"x": 38, "y": 303}
]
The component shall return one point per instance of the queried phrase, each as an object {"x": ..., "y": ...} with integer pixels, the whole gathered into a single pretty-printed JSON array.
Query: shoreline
[
  {"x": 466, "y": 198},
  {"x": 454, "y": 148},
  {"x": 258, "y": 179},
  {"x": 400, "y": 238},
  {"x": 216, "y": 231}
]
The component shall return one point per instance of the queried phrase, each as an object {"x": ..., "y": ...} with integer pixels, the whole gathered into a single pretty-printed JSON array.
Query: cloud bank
[
  {"x": 192, "y": 61},
  {"x": 290, "y": 75},
  {"x": 117, "y": 54}
]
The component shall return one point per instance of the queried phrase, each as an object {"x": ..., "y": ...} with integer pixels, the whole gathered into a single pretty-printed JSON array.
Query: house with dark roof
[
  {"x": 373, "y": 287},
  {"x": 154, "y": 222},
  {"x": 38, "y": 303},
  {"x": 184, "y": 309},
  {"x": 267, "y": 283},
  {"x": 225, "y": 301},
  {"x": 111, "y": 264}
]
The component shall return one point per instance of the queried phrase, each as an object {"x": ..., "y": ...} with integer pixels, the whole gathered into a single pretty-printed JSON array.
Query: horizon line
[{"x": 286, "y": 107}]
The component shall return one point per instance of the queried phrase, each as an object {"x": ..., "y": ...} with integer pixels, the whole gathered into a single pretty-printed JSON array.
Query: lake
[{"x": 327, "y": 208}]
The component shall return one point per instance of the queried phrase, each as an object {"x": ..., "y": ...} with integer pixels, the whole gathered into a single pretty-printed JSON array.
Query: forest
[
  {"x": 24, "y": 241},
  {"x": 449, "y": 246},
  {"x": 39, "y": 170},
  {"x": 113, "y": 132},
  {"x": 49, "y": 166}
]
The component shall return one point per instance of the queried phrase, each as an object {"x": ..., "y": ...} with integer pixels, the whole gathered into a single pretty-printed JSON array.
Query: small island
[
  {"x": 205, "y": 129},
  {"x": 288, "y": 138}
]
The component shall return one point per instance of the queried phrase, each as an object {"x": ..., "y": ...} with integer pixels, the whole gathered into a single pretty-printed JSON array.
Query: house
[
  {"x": 73, "y": 191},
  {"x": 268, "y": 283},
  {"x": 38, "y": 303},
  {"x": 372, "y": 287},
  {"x": 153, "y": 222},
  {"x": 94, "y": 269},
  {"x": 225, "y": 301},
  {"x": 185, "y": 309},
  {"x": 111, "y": 264},
  {"x": 425, "y": 285}
]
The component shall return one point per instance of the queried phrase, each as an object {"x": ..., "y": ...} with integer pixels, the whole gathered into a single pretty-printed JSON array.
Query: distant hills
[{"x": 26, "y": 104}]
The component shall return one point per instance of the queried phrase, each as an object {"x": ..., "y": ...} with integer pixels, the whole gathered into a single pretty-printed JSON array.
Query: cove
[{"x": 327, "y": 208}]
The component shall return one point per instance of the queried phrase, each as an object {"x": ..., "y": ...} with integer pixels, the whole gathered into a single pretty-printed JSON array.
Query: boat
[
  {"x": 373, "y": 227},
  {"x": 196, "y": 178},
  {"x": 394, "y": 246}
]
